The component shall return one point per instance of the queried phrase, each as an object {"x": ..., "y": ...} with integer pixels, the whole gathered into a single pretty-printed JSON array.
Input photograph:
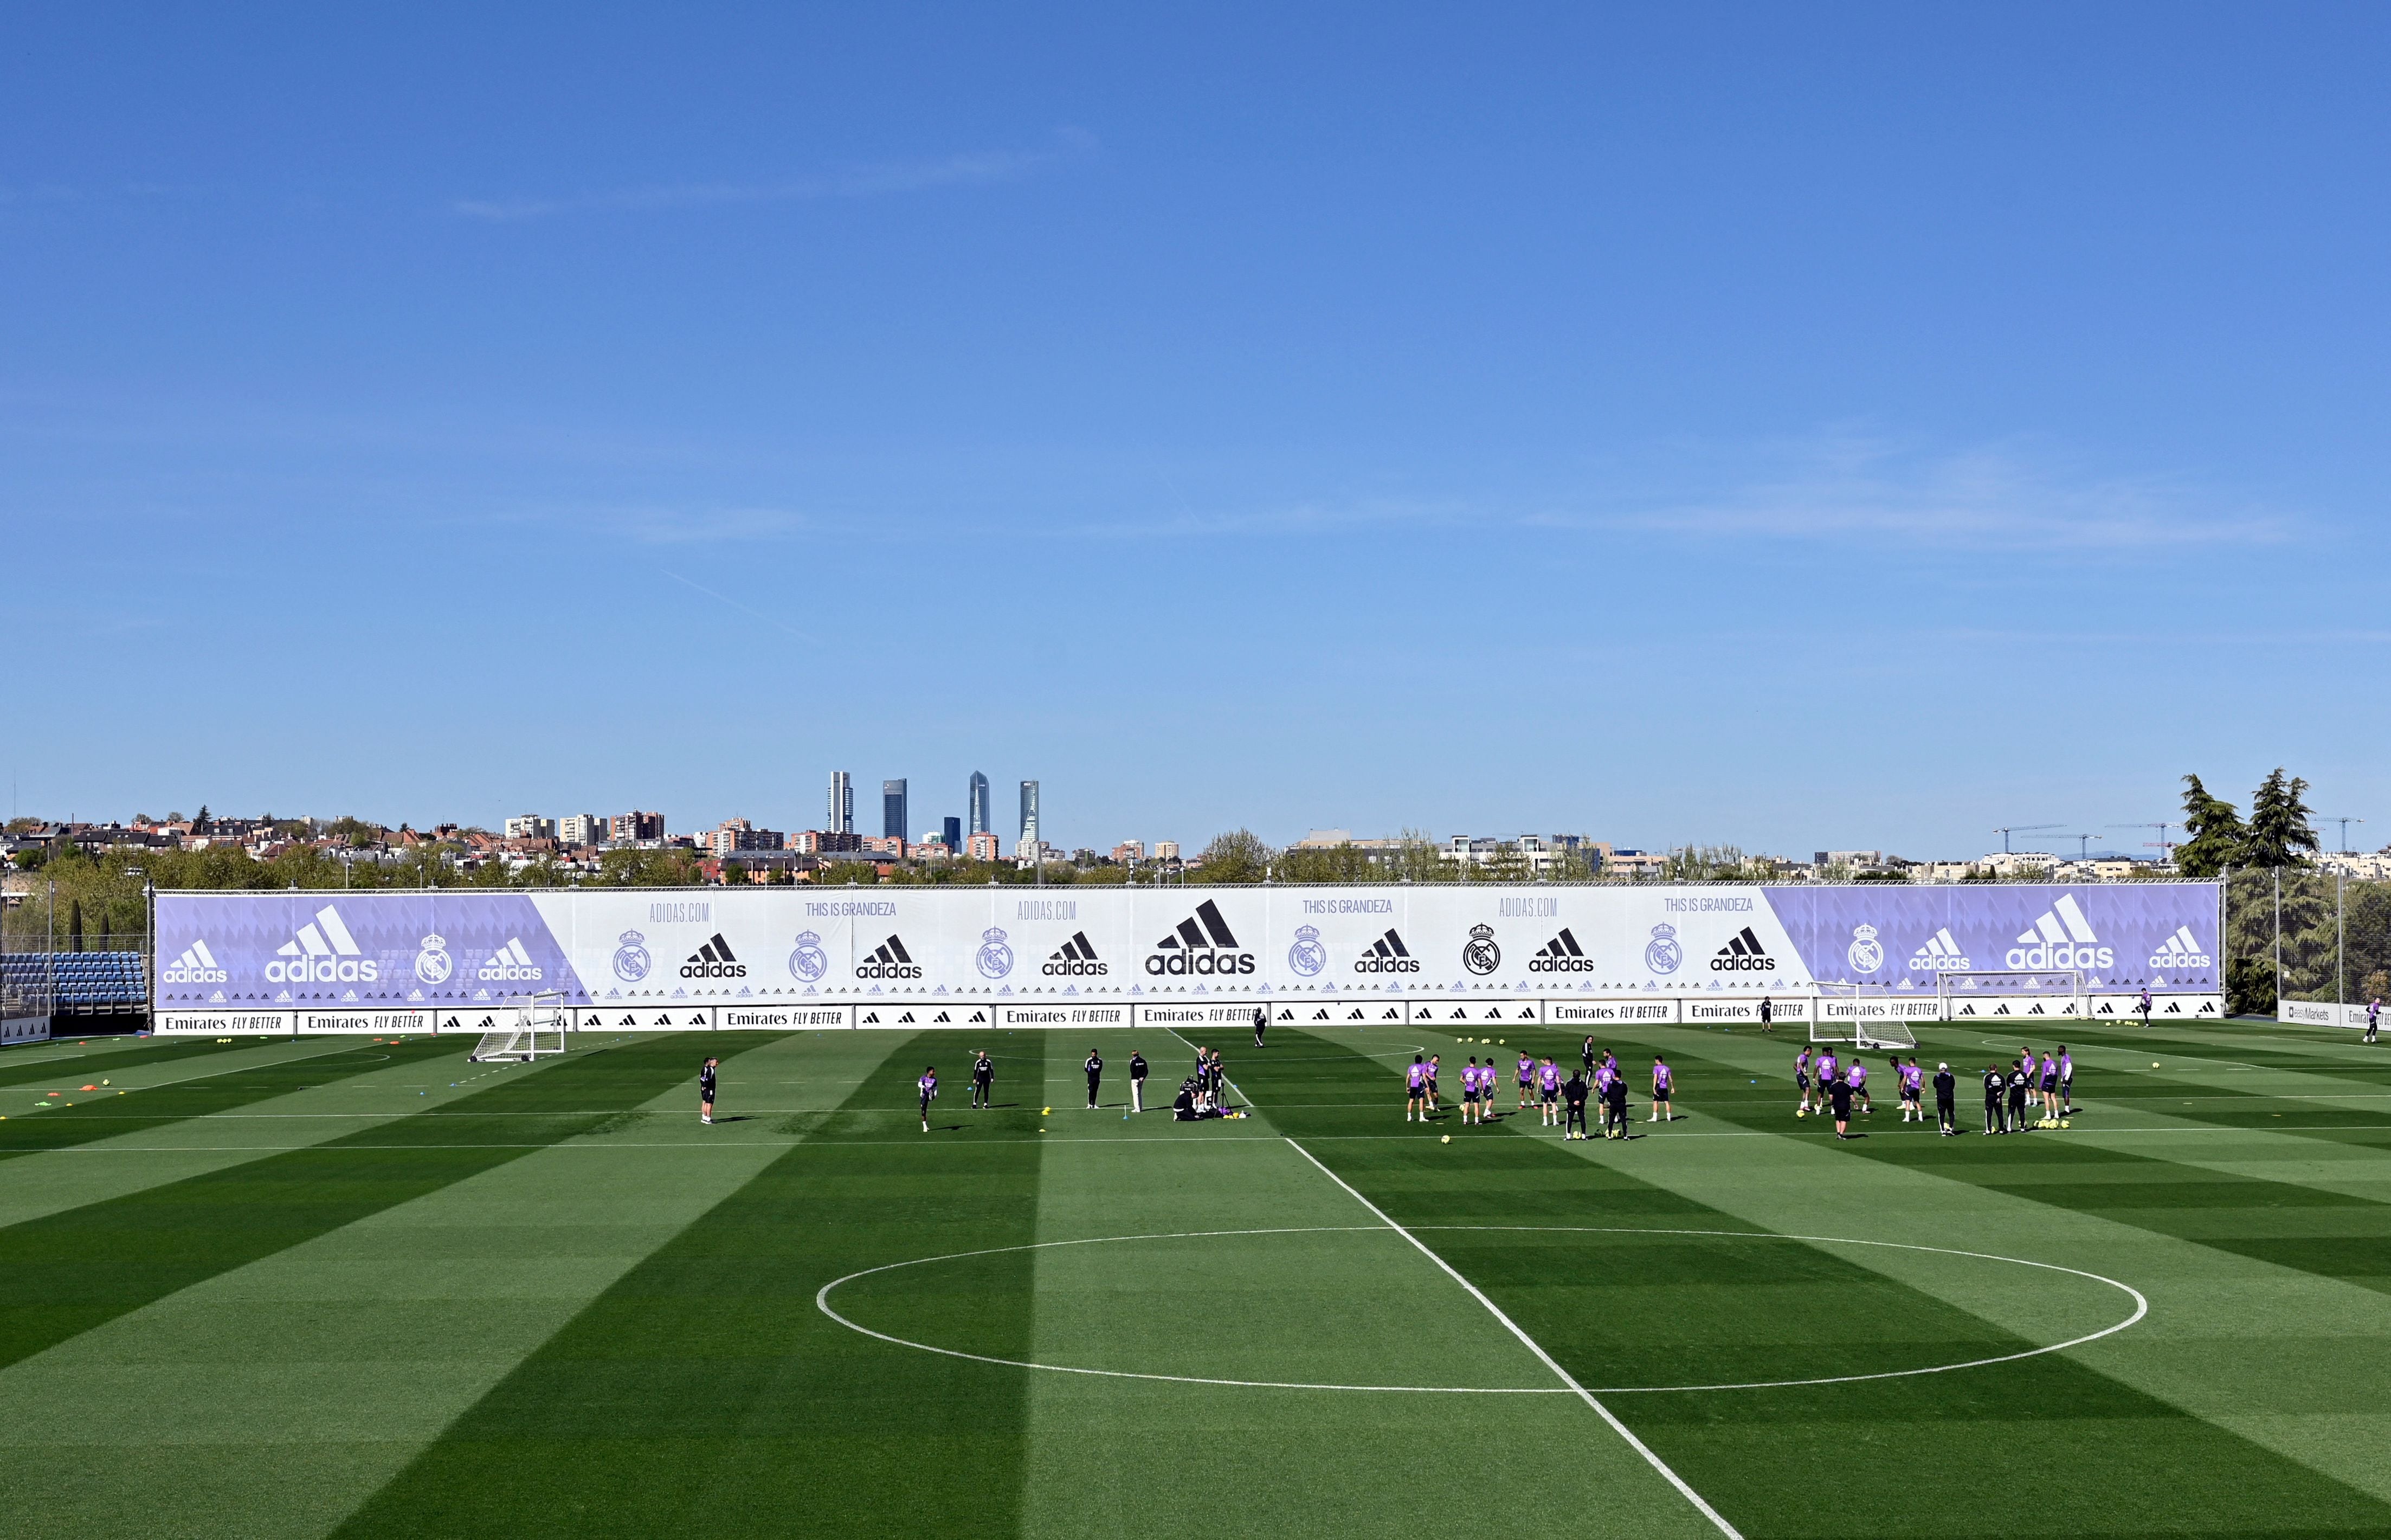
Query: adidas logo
[
  {"x": 2061, "y": 938},
  {"x": 196, "y": 965},
  {"x": 1202, "y": 944},
  {"x": 1076, "y": 956},
  {"x": 713, "y": 961},
  {"x": 1387, "y": 954},
  {"x": 1742, "y": 954},
  {"x": 2182, "y": 951},
  {"x": 888, "y": 960},
  {"x": 1939, "y": 952},
  {"x": 510, "y": 962},
  {"x": 323, "y": 953},
  {"x": 1562, "y": 954}
]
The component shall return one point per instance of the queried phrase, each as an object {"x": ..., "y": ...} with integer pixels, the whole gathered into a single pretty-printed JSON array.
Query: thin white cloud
[
  {"x": 686, "y": 527},
  {"x": 1840, "y": 488},
  {"x": 860, "y": 181}
]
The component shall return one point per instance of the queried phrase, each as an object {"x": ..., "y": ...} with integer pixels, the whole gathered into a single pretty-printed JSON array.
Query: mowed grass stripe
[
  {"x": 2310, "y": 1229},
  {"x": 704, "y": 1386},
  {"x": 1678, "y": 1310},
  {"x": 131, "y": 1053},
  {"x": 81, "y": 1117},
  {"x": 73, "y": 1270}
]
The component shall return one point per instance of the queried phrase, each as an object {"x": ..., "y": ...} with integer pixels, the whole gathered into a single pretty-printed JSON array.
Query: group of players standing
[
  {"x": 2007, "y": 1091},
  {"x": 1562, "y": 1103}
]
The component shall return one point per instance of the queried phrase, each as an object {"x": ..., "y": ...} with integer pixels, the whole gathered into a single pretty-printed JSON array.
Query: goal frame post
[{"x": 2035, "y": 984}]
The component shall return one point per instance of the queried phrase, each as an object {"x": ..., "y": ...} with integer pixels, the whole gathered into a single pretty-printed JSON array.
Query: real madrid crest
[
  {"x": 995, "y": 959},
  {"x": 433, "y": 964},
  {"x": 1663, "y": 954},
  {"x": 808, "y": 962},
  {"x": 631, "y": 957},
  {"x": 1307, "y": 956},
  {"x": 1866, "y": 953},
  {"x": 1480, "y": 954}
]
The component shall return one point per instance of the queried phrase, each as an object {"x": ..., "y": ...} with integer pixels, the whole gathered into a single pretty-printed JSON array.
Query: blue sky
[{"x": 1800, "y": 427}]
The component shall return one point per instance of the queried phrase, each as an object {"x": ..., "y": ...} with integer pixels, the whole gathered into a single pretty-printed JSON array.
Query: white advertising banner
[
  {"x": 2310, "y": 1013},
  {"x": 220, "y": 1024},
  {"x": 382, "y": 1023}
]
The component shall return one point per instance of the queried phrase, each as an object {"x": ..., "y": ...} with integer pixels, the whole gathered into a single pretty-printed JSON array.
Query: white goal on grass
[
  {"x": 1863, "y": 1016},
  {"x": 526, "y": 1027},
  {"x": 1977, "y": 994}
]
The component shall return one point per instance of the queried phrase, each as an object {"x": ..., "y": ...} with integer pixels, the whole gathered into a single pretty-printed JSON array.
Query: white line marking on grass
[
  {"x": 2141, "y": 1308},
  {"x": 1655, "y": 1461}
]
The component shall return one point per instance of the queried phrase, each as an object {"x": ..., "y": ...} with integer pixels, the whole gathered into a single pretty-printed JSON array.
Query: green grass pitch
[{"x": 341, "y": 1287}]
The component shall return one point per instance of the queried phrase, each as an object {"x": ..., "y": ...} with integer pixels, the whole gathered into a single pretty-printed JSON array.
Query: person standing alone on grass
[
  {"x": 1136, "y": 1081},
  {"x": 705, "y": 1090},
  {"x": 2143, "y": 1005},
  {"x": 929, "y": 1086},
  {"x": 1664, "y": 1109},
  {"x": 1839, "y": 1094},
  {"x": 1993, "y": 1081},
  {"x": 1946, "y": 1095},
  {"x": 1095, "y": 1069},
  {"x": 1415, "y": 1089},
  {"x": 983, "y": 1079},
  {"x": 1262, "y": 1019},
  {"x": 2374, "y": 1017},
  {"x": 1767, "y": 1015}
]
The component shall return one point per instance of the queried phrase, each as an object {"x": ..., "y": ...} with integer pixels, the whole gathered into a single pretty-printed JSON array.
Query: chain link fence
[
  {"x": 2300, "y": 934},
  {"x": 74, "y": 953}
]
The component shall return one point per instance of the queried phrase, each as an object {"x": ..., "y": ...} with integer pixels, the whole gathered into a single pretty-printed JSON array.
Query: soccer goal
[
  {"x": 1976, "y": 995},
  {"x": 1863, "y": 1015},
  {"x": 525, "y": 1028}
]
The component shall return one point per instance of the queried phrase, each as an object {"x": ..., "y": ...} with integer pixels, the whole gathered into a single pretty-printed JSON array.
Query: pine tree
[
  {"x": 2279, "y": 833},
  {"x": 2213, "y": 830}
]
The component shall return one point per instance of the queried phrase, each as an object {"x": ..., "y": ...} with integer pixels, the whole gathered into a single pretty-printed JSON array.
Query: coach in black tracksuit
[
  {"x": 1574, "y": 1097},
  {"x": 1947, "y": 1094},
  {"x": 1095, "y": 1069},
  {"x": 1262, "y": 1019},
  {"x": 2020, "y": 1079},
  {"x": 1993, "y": 1081}
]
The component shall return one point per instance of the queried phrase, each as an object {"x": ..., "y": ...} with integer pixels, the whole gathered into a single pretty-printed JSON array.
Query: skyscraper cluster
[{"x": 896, "y": 811}]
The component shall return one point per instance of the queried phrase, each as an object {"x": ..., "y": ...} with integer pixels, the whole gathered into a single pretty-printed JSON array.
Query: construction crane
[
  {"x": 2021, "y": 829},
  {"x": 2163, "y": 844},
  {"x": 2083, "y": 846},
  {"x": 2344, "y": 822}
]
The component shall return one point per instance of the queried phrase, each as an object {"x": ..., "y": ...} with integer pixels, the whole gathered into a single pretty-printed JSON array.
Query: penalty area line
[{"x": 1604, "y": 1413}]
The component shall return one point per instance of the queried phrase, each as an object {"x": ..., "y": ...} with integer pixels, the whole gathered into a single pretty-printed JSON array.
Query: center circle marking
[{"x": 2141, "y": 1308}]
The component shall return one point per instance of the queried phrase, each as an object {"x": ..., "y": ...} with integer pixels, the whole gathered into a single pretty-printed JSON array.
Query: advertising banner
[{"x": 1448, "y": 954}]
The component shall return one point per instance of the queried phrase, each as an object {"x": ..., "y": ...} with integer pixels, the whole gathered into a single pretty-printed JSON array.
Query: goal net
[
  {"x": 525, "y": 1028},
  {"x": 1975, "y": 995},
  {"x": 1865, "y": 1015}
]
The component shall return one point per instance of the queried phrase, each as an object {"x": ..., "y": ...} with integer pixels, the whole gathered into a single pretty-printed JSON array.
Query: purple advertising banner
[
  {"x": 293, "y": 951},
  {"x": 2120, "y": 936}
]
